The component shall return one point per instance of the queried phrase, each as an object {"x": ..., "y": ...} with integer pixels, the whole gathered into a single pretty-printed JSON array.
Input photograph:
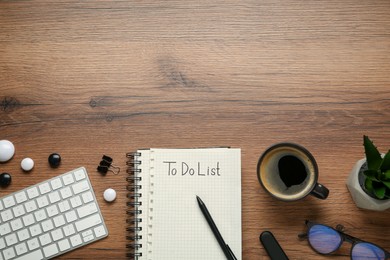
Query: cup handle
[{"x": 320, "y": 191}]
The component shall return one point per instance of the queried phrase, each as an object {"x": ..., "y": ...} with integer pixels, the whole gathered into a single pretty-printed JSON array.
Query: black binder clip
[{"x": 106, "y": 165}]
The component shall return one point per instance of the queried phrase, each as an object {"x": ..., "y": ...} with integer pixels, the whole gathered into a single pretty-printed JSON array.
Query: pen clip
[{"x": 231, "y": 252}]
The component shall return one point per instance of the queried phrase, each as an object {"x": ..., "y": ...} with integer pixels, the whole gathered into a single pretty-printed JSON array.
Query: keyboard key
[
  {"x": 66, "y": 192},
  {"x": 88, "y": 238},
  {"x": 45, "y": 239},
  {"x": 32, "y": 192},
  {"x": 56, "y": 184},
  {"x": 6, "y": 215},
  {"x": 32, "y": 255},
  {"x": 87, "y": 233},
  {"x": 16, "y": 224},
  {"x": 75, "y": 201},
  {"x": 21, "y": 248},
  {"x": 11, "y": 239},
  {"x": 33, "y": 243},
  {"x": 40, "y": 215},
  {"x": 20, "y": 197},
  {"x": 50, "y": 250},
  {"x": 88, "y": 222},
  {"x": 69, "y": 230},
  {"x": 30, "y": 206},
  {"x": 5, "y": 229},
  {"x": 71, "y": 216},
  {"x": 35, "y": 230},
  {"x": 1, "y": 205},
  {"x": 47, "y": 225},
  {"x": 9, "y": 201},
  {"x": 64, "y": 206},
  {"x": 52, "y": 210},
  {"x": 64, "y": 245},
  {"x": 87, "y": 197},
  {"x": 80, "y": 187},
  {"x": 87, "y": 210},
  {"x": 42, "y": 201},
  {"x": 68, "y": 179},
  {"x": 54, "y": 197},
  {"x": 75, "y": 240},
  {"x": 44, "y": 188},
  {"x": 28, "y": 220},
  {"x": 59, "y": 221},
  {"x": 57, "y": 234},
  {"x": 23, "y": 235},
  {"x": 18, "y": 211},
  {"x": 79, "y": 175},
  {"x": 9, "y": 253}
]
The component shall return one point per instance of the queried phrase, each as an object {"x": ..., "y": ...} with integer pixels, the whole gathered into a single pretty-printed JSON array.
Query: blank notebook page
[{"x": 177, "y": 226}]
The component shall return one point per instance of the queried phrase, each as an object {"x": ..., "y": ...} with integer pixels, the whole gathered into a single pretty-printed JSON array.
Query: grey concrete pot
[{"x": 359, "y": 196}]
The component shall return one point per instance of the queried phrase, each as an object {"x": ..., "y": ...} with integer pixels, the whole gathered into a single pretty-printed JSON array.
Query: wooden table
[{"x": 87, "y": 78}]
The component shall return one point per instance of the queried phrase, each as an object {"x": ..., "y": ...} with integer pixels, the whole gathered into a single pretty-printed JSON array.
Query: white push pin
[
  {"x": 7, "y": 150},
  {"x": 109, "y": 195},
  {"x": 27, "y": 164}
]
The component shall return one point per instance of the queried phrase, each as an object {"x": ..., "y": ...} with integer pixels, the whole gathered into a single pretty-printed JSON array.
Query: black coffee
[{"x": 291, "y": 170}]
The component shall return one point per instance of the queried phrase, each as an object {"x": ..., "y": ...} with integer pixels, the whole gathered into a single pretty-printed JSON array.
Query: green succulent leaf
[
  {"x": 371, "y": 174},
  {"x": 386, "y": 162},
  {"x": 368, "y": 185},
  {"x": 380, "y": 192},
  {"x": 374, "y": 159},
  {"x": 387, "y": 184},
  {"x": 387, "y": 175}
]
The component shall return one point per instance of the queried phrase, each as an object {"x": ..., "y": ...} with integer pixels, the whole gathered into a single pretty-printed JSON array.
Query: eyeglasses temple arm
[{"x": 302, "y": 235}]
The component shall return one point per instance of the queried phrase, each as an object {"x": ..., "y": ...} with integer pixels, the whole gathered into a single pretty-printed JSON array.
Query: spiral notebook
[{"x": 165, "y": 221}]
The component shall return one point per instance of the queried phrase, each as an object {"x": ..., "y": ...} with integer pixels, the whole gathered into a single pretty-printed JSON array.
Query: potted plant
[{"x": 369, "y": 180}]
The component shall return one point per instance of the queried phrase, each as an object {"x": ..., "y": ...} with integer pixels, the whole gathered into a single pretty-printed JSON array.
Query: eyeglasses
[{"x": 326, "y": 240}]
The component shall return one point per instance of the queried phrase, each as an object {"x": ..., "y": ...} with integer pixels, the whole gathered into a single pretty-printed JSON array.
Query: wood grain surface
[{"x": 87, "y": 78}]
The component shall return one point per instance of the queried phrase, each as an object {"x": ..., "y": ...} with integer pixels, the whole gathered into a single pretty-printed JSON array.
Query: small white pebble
[
  {"x": 27, "y": 164},
  {"x": 109, "y": 195},
  {"x": 7, "y": 150}
]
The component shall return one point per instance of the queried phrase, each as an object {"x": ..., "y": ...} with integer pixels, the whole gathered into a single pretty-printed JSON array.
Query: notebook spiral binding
[{"x": 133, "y": 202}]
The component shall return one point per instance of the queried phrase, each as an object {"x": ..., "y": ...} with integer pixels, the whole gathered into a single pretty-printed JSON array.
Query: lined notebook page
[{"x": 177, "y": 227}]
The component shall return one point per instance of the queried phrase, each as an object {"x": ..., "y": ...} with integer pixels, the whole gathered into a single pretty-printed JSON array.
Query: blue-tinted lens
[
  {"x": 324, "y": 239},
  {"x": 364, "y": 250}
]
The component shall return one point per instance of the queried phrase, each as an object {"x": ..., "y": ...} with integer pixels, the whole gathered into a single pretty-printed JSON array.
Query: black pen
[{"x": 226, "y": 249}]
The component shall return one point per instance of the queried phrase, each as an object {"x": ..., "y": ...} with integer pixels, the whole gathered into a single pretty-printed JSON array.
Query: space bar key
[
  {"x": 32, "y": 255},
  {"x": 88, "y": 222}
]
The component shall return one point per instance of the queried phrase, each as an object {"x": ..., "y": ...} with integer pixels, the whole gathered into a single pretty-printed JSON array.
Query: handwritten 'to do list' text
[{"x": 195, "y": 169}]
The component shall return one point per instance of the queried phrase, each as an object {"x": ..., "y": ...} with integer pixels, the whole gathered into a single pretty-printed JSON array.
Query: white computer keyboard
[{"x": 50, "y": 218}]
